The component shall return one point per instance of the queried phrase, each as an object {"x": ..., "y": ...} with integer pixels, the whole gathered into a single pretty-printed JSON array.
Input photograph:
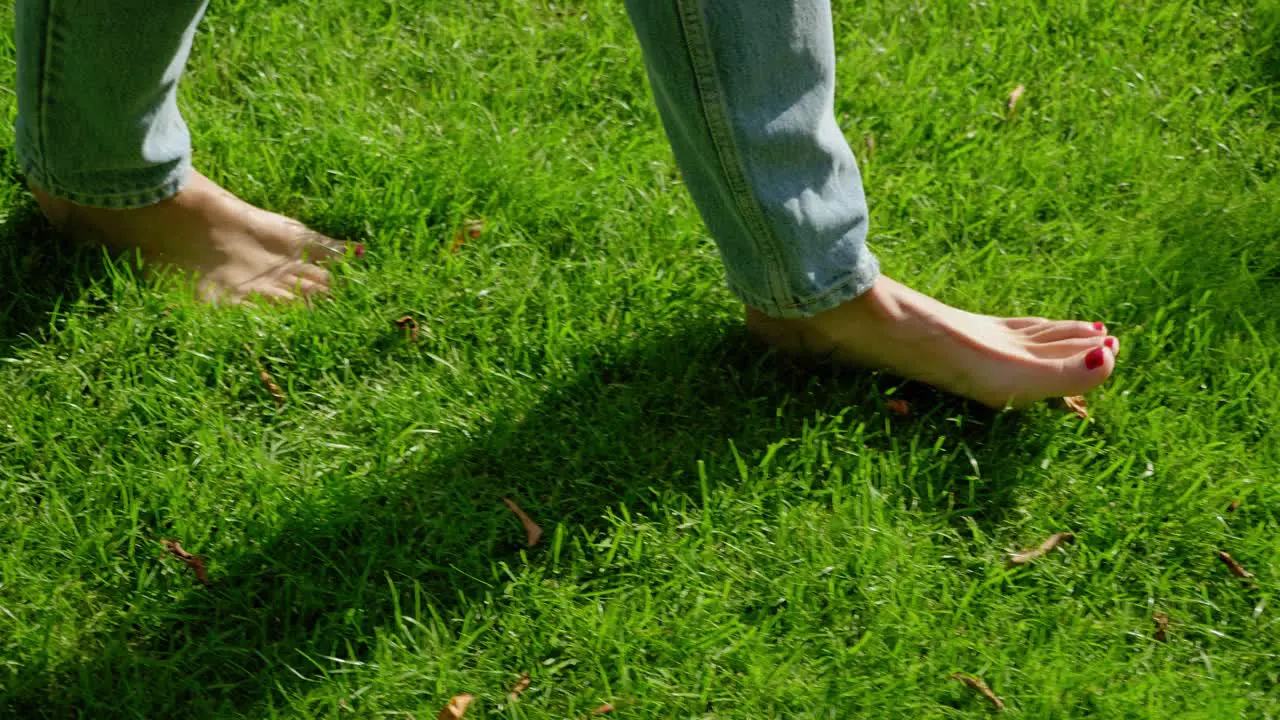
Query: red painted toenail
[
  {"x": 359, "y": 251},
  {"x": 1094, "y": 359},
  {"x": 1099, "y": 326},
  {"x": 1110, "y": 343}
]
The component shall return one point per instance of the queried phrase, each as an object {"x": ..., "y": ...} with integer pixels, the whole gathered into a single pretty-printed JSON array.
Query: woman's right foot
[
  {"x": 230, "y": 249},
  {"x": 999, "y": 362}
]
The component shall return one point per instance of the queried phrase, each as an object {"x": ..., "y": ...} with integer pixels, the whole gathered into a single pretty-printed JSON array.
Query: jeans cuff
[
  {"x": 148, "y": 192},
  {"x": 841, "y": 290}
]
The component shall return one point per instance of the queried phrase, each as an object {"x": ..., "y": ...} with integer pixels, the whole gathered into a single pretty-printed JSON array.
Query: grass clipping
[
  {"x": 457, "y": 707},
  {"x": 1053, "y": 541},
  {"x": 533, "y": 533},
  {"x": 1236, "y": 569},
  {"x": 979, "y": 686},
  {"x": 195, "y": 562}
]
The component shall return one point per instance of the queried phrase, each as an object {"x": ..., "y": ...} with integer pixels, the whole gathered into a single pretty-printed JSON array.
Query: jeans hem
[
  {"x": 717, "y": 116},
  {"x": 842, "y": 290},
  {"x": 145, "y": 194}
]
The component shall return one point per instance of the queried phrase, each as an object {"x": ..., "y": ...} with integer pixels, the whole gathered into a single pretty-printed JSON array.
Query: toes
[
  {"x": 300, "y": 281},
  {"x": 306, "y": 287},
  {"x": 315, "y": 275},
  {"x": 272, "y": 295},
  {"x": 1099, "y": 361},
  {"x": 322, "y": 249},
  {"x": 1113, "y": 344},
  {"x": 1065, "y": 330},
  {"x": 1073, "y": 375},
  {"x": 1062, "y": 348},
  {"x": 1022, "y": 323},
  {"x": 1087, "y": 370},
  {"x": 302, "y": 242}
]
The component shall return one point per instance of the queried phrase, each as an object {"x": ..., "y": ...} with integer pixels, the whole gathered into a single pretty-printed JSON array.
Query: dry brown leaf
[
  {"x": 265, "y": 377},
  {"x": 1053, "y": 541},
  {"x": 521, "y": 685},
  {"x": 530, "y": 527},
  {"x": 195, "y": 562},
  {"x": 898, "y": 407},
  {"x": 456, "y": 708},
  {"x": 1078, "y": 405},
  {"x": 410, "y": 326},
  {"x": 604, "y": 709},
  {"x": 1236, "y": 568},
  {"x": 1234, "y": 506},
  {"x": 976, "y": 683},
  {"x": 471, "y": 230},
  {"x": 871, "y": 146},
  {"x": 272, "y": 387},
  {"x": 1015, "y": 96},
  {"x": 1162, "y": 626}
]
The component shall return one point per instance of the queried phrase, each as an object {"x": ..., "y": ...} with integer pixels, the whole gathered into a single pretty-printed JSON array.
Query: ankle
[
  {"x": 879, "y": 306},
  {"x": 56, "y": 210}
]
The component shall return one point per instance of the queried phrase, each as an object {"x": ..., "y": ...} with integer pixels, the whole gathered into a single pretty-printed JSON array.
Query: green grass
[{"x": 727, "y": 535}]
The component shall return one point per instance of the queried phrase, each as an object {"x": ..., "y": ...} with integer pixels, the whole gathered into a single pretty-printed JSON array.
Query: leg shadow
[
  {"x": 40, "y": 271},
  {"x": 629, "y": 422}
]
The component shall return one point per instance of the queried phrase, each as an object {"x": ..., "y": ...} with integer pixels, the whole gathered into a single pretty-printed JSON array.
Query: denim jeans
[{"x": 745, "y": 89}]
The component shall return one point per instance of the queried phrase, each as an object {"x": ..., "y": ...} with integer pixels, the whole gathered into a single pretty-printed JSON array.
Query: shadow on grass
[
  {"x": 1218, "y": 251},
  {"x": 628, "y": 423},
  {"x": 40, "y": 271},
  {"x": 1264, "y": 40}
]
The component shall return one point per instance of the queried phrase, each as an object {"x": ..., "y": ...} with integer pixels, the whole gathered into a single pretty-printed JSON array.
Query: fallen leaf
[
  {"x": 1234, "y": 506},
  {"x": 521, "y": 685},
  {"x": 604, "y": 709},
  {"x": 1054, "y": 540},
  {"x": 1078, "y": 405},
  {"x": 272, "y": 387},
  {"x": 1162, "y": 626},
  {"x": 195, "y": 562},
  {"x": 871, "y": 146},
  {"x": 530, "y": 527},
  {"x": 456, "y": 708},
  {"x": 410, "y": 326},
  {"x": 471, "y": 230},
  {"x": 1015, "y": 96},
  {"x": 265, "y": 377},
  {"x": 898, "y": 407},
  {"x": 978, "y": 685},
  {"x": 1236, "y": 568}
]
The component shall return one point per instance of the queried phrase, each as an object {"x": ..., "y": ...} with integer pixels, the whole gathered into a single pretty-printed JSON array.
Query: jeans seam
[
  {"x": 42, "y": 90},
  {"x": 712, "y": 102}
]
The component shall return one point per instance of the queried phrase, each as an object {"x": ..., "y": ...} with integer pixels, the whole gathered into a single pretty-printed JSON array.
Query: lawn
[{"x": 727, "y": 534}]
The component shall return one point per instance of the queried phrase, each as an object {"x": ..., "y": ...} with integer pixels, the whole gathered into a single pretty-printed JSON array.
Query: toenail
[
  {"x": 1099, "y": 326},
  {"x": 1110, "y": 343},
  {"x": 1094, "y": 359},
  {"x": 359, "y": 251}
]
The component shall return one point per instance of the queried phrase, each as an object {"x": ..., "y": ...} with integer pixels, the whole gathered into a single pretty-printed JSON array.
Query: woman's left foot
[{"x": 999, "y": 362}]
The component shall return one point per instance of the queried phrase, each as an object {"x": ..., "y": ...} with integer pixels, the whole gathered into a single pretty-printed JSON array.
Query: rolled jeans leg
[
  {"x": 746, "y": 90},
  {"x": 98, "y": 121}
]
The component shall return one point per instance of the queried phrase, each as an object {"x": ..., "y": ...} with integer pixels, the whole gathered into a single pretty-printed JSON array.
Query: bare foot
[
  {"x": 997, "y": 361},
  {"x": 231, "y": 249}
]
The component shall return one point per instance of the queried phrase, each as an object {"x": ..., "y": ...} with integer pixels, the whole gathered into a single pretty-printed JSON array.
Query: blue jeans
[{"x": 745, "y": 88}]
